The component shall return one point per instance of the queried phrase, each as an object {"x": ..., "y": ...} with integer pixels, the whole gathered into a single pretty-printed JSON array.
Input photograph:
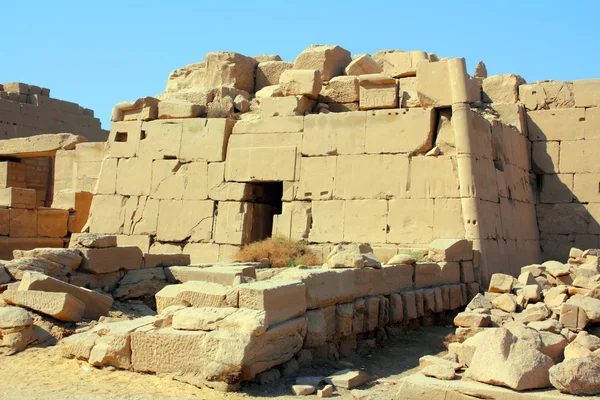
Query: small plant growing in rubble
[
  {"x": 418, "y": 255},
  {"x": 280, "y": 252}
]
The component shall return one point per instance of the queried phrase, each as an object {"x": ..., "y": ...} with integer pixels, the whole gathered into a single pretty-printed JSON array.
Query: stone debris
[
  {"x": 61, "y": 306},
  {"x": 15, "y": 329},
  {"x": 349, "y": 379},
  {"x": 327, "y": 391},
  {"x": 303, "y": 390},
  {"x": 439, "y": 371},
  {"x": 352, "y": 256}
]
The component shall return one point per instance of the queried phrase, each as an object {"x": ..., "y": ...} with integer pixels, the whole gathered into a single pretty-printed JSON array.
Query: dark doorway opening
[{"x": 266, "y": 202}]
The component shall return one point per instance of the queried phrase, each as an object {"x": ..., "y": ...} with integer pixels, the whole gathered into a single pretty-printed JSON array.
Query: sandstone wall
[
  {"x": 27, "y": 110},
  {"x": 563, "y": 120}
]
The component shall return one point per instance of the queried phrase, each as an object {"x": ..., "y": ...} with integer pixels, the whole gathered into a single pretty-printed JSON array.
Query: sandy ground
[{"x": 38, "y": 373}]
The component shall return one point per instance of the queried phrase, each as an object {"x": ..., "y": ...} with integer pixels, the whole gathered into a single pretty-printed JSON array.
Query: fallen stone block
[
  {"x": 579, "y": 376},
  {"x": 363, "y": 64},
  {"x": 327, "y": 391},
  {"x": 110, "y": 259},
  {"x": 330, "y": 61},
  {"x": 341, "y": 89},
  {"x": 450, "y": 250},
  {"x": 471, "y": 319},
  {"x": 96, "y": 304},
  {"x": 14, "y": 317},
  {"x": 590, "y": 305},
  {"x": 18, "y": 267},
  {"x": 280, "y": 299},
  {"x": 439, "y": 371},
  {"x": 92, "y": 240},
  {"x": 348, "y": 379},
  {"x": 352, "y": 256},
  {"x": 501, "y": 283},
  {"x": 141, "y": 283},
  {"x": 251, "y": 322},
  {"x": 170, "y": 109},
  {"x": 300, "y": 82},
  {"x": 61, "y": 306},
  {"x": 269, "y": 72},
  {"x": 502, "y": 88},
  {"x": 226, "y": 275},
  {"x": 196, "y": 294},
  {"x": 70, "y": 258}
]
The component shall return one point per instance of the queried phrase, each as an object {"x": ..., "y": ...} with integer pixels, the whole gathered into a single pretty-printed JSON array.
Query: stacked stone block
[
  {"x": 563, "y": 121},
  {"x": 28, "y": 110}
]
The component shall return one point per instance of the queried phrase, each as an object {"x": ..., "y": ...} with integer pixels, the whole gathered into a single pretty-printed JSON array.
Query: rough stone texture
[
  {"x": 501, "y": 283},
  {"x": 348, "y": 379},
  {"x": 70, "y": 258},
  {"x": 92, "y": 240},
  {"x": 439, "y": 371},
  {"x": 14, "y": 317},
  {"x": 510, "y": 362},
  {"x": 18, "y": 267},
  {"x": 195, "y": 294},
  {"x": 363, "y": 64},
  {"x": 250, "y": 322},
  {"x": 61, "y": 306},
  {"x": 579, "y": 376},
  {"x": 300, "y": 82},
  {"x": 39, "y": 145},
  {"x": 330, "y": 61},
  {"x": 502, "y": 88},
  {"x": 352, "y": 256},
  {"x": 141, "y": 283}
]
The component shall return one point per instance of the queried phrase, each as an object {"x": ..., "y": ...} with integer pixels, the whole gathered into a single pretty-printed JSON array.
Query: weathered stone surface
[
  {"x": 280, "y": 299},
  {"x": 96, "y": 304},
  {"x": 501, "y": 283},
  {"x": 225, "y": 275},
  {"x": 250, "y": 322},
  {"x": 556, "y": 268},
  {"x": 363, "y": 64},
  {"x": 341, "y": 89},
  {"x": 61, "y": 306},
  {"x": 195, "y": 294},
  {"x": 329, "y": 60},
  {"x": 169, "y": 109},
  {"x": 401, "y": 259},
  {"x": 300, "y": 82},
  {"x": 316, "y": 332},
  {"x": 533, "y": 312},
  {"x": 579, "y": 376},
  {"x": 479, "y": 301},
  {"x": 269, "y": 72},
  {"x": 18, "y": 267},
  {"x": 92, "y": 240},
  {"x": 348, "y": 379},
  {"x": 111, "y": 259},
  {"x": 378, "y": 91},
  {"x": 70, "y": 258},
  {"x": 327, "y": 391},
  {"x": 589, "y": 304},
  {"x": 397, "y": 63},
  {"x": 427, "y": 361},
  {"x": 439, "y": 371},
  {"x": 471, "y": 319},
  {"x": 502, "y": 88},
  {"x": 352, "y": 256},
  {"x": 39, "y": 145},
  {"x": 141, "y": 283},
  {"x": 505, "y": 302},
  {"x": 14, "y": 317},
  {"x": 451, "y": 250},
  {"x": 507, "y": 361}
]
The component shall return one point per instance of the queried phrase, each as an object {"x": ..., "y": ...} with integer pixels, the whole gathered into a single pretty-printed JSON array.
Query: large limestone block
[
  {"x": 52, "y": 222},
  {"x": 578, "y": 376},
  {"x": 143, "y": 109},
  {"x": 589, "y": 304},
  {"x": 363, "y": 64},
  {"x": 169, "y": 109},
  {"x": 18, "y": 267},
  {"x": 39, "y": 145},
  {"x": 234, "y": 222},
  {"x": 141, "y": 283},
  {"x": 180, "y": 220},
  {"x": 578, "y": 156},
  {"x": 586, "y": 93},
  {"x": 285, "y": 106},
  {"x": 124, "y": 139},
  {"x": 106, "y": 214},
  {"x": 267, "y": 125},
  {"x": 196, "y": 294},
  {"x": 502, "y": 88},
  {"x": 14, "y": 317},
  {"x": 225, "y": 68},
  {"x": 341, "y": 89},
  {"x": 249, "y": 322},
  {"x": 301, "y": 82},
  {"x": 293, "y": 222},
  {"x": 15, "y": 197},
  {"x": 378, "y": 91},
  {"x": 451, "y": 250},
  {"x": 92, "y": 240},
  {"x": 410, "y": 221},
  {"x": 433, "y": 84},
  {"x": 402, "y": 131},
  {"x": 431, "y": 274},
  {"x": 329, "y": 134},
  {"x": 508, "y": 361},
  {"x": 61, "y": 306},
  {"x": 501, "y": 283},
  {"x": 110, "y": 259},
  {"x": 547, "y": 95},
  {"x": 23, "y": 222},
  {"x": 317, "y": 178},
  {"x": 268, "y": 73},
  {"x": 280, "y": 299},
  {"x": 96, "y": 304},
  {"x": 361, "y": 226},
  {"x": 262, "y": 164},
  {"x": 329, "y": 60},
  {"x": 134, "y": 177},
  {"x": 205, "y": 139},
  {"x": 366, "y": 176},
  {"x": 399, "y": 64},
  {"x": 225, "y": 275},
  {"x": 352, "y": 256},
  {"x": 564, "y": 124},
  {"x": 327, "y": 221},
  {"x": 325, "y": 287},
  {"x": 70, "y": 258}
]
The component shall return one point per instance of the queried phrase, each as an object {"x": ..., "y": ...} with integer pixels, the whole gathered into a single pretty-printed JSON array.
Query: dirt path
[{"x": 38, "y": 373}]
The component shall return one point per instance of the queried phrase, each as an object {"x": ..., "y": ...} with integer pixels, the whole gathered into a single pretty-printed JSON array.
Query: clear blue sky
[{"x": 98, "y": 53}]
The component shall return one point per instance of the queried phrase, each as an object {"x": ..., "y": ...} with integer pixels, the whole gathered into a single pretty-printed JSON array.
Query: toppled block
[
  {"x": 348, "y": 379},
  {"x": 352, "y": 256},
  {"x": 250, "y": 322},
  {"x": 329, "y": 60},
  {"x": 301, "y": 82},
  {"x": 363, "y": 64},
  {"x": 14, "y": 197},
  {"x": 110, "y": 259},
  {"x": 141, "y": 283},
  {"x": 399, "y": 64},
  {"x": 269, "y": 72},
  {"x": 61, "y": 306},
  {"x": 19, "y": 266},
  {"x": 226, "y": 68},
  {"x": 280, "y": 299},
  {"x": 14, "y": 317},
  {"x": 501, "y": 283},
  {"x": 96, "y": 304},
  {"x": 223, "y": 275},
  {"x": 502, "y": 88},
  {"x": 450, "y": 250},
  {"x": 70, "y": 258},
  {"x": 92, "y": 240},
  {"x": 378, "y": 91},
  {"x": 341, "y": 89},
  {"x": 170, "y": 109},
  {"x": 573, "y": 317},
  {"x": 196, "y": 294}
]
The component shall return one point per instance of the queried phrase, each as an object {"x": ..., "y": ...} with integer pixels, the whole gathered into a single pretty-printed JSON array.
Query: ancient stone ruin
[{"x": 414, "y": 185}]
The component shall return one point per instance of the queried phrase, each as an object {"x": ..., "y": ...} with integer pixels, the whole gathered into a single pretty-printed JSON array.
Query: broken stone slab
[
  {"x": 531, "y": 293},
  {"x": 553, "y": 345},
  {"x": 61, "y": 306},
  {"x": 589, "y": 304},
  {"x": 363, "y": 64},
  {"x": 96, "y": 304},
  {"x": 377, "y": 91},
  {"x": 45, "y": 145},
  {"x": 579, "y": 376},
  {"x": 549, "y": 325},
  {"x": 301, "y": 82},
  {"x": 196, "y": 294},
  {"x": 329, "y": 60},
  {"x": 535, "y": 269},
  {"x": 141, "y": 283},
  {"x": 280, "y": 299},
  {"x": 398, "y": 63},
  {"x": 556, "y": 268},
  {"x": 92, "y": 240},
  {"x": 502, "y": 88},
  {"x": 16, "y": 268},
  {"x": 501, "y": 283},
  {"x": 506, "y": 302},
  {"x": 439, "y": 371},
  {"x": 207, "y": 319},
  {"x": 14, "y": 317},
  {"x": 352, "y": 256},
  {"x": 508, "y": 361},
  {"x": 348, "y": 379},
  {"x": 450, "y": 250},
  {"x": 70, "y": 258},
  {"x": 479, "y": 301},
  {"x": 303, "y": 390},
  {"x": 472, "y": 319},
  {"x": 223, "y": 275},
  {"x": 573, "y": 317},
  {"x": 533, "y": 312},
  {"x": 527, "y": 278},
  {"x": 110, "y": 259}
]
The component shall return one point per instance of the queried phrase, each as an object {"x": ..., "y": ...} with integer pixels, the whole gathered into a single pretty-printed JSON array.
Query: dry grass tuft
[{"x": 281, "y": 253}]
